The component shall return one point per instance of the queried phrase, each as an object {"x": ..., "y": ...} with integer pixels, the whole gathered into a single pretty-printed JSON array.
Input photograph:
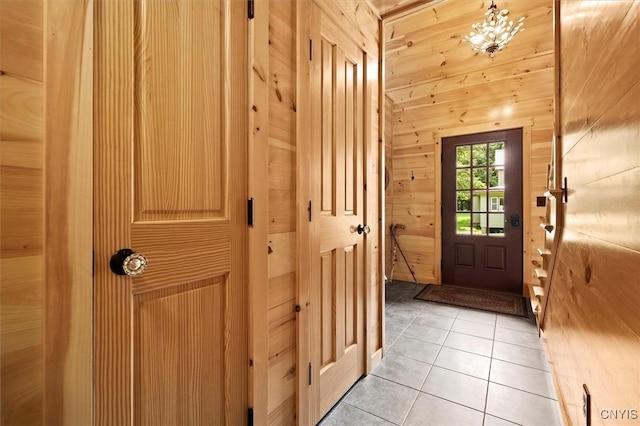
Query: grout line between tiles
[
  {"x": 493, "y": 340},
  {"x": 410, "y": 408},
  {"x": 371, "y": 414}
]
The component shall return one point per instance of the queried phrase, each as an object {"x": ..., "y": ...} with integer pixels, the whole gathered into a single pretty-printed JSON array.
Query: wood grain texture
[
  {"x": 440, "y": 87},
  {"x": 21, "y": 32},
  {"x": 191, "y": 250},
  {"x": 21, "y": 212},
  {"x": 338, "y": 291},
  {"x": 280, "y": 80},
  {"x": 389, "y": 8},
  {"x": 69, "y": 213},
  {"x": 304, "y": 193},
  {"x": 374, "y": 240},
  {"x": 176, "y": 175},
  {"x": 591, "y": 322},
  {"x": 388, "y": 191},
  {"x": 184, "y": 382},
  {"x": 259, "y": 289}
]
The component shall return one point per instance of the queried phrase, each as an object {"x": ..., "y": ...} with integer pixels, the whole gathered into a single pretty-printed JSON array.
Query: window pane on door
[
  {"x": 463, "y": 201},
  {"x": 496, "y": 153},
  {"x": 496, "y": 225},
  {"x": 479, "y": 223},
  {"x": 463, "y": 223},
  {"x": 479, "y": 154},
  {"x": 463, "y": 179},
  {"x": 479, "y": 178},
  {"x": 463, "y": 155}
]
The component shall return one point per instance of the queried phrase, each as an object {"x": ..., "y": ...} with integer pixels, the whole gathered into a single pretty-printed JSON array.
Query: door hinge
[
  {"x": 310, "y": 49},
  {"x": 93, "y": 263},
  {"x": 250, "y": 9},
  {"x": 250, "y": 416},
  {"x": 309, "y": 374},
  {"x": 250, "y": 211},
  {"x": 309, "y": 210}
]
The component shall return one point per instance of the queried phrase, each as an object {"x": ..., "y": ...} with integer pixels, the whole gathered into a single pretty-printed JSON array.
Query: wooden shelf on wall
[
  {"x": 544, "y": 252},
  {"x": 540, "y": 273}
]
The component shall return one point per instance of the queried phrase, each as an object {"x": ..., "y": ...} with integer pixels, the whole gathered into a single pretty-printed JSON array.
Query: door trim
[
  {"x": 526, "y": 126},
  {"x": 258, "y": 190}
]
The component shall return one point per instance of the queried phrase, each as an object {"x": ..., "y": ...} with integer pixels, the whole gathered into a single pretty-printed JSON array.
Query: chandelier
[{"x": 495, "y": 32}]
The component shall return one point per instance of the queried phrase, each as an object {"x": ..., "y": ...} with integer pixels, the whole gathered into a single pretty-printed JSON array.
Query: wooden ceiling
[{"x": 387, "y": 8}]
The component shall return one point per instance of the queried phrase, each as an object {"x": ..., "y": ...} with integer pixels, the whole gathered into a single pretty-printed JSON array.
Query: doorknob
[
  {"x": 127, "y": 262},
  {"x": 363, "y": 228}
]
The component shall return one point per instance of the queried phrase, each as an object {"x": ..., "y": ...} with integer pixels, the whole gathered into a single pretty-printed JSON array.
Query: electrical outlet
[{"x": 586, "y": 404}]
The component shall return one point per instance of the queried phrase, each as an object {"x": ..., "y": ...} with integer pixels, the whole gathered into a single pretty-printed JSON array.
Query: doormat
[{"x": 502, "y": 303}]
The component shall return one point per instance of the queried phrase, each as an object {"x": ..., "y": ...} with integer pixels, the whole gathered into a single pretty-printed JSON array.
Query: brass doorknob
[
  {"x": 127, "y": 262},
  {"x": 363, "y": 229}
]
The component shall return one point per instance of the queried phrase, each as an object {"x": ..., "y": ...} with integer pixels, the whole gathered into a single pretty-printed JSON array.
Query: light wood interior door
[
  {"x": 337, "y": 248},
  {"x": 170, "y": 183}
]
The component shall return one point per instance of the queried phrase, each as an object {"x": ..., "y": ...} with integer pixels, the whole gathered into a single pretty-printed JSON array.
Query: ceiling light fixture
[{"x": 495, "y": 32}]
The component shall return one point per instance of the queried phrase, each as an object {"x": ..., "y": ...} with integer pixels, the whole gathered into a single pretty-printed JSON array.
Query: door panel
[
  {"x": 171, "y": 343},
  {"x": 180, "y": 168},
  {"x": 481, "y": 192},
  {"x": 337, "y": 291}
]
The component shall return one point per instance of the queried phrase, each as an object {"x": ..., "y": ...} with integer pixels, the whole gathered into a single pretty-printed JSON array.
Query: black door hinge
[
  {"x": 250, "y": 416},
  {"x": 309, "y": 210},
  {"x": 250, "y": 9},
  {"x": 310, "y": 50},
  {"x": 309, "y": 374},
  {"x": 250, "y": 211}
]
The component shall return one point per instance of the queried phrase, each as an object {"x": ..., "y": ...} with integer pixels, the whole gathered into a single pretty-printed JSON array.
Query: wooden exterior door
[
  {"x": 337, "y": 249},
  {"x": 170, "y": 184},
  {"x": 482, "y": 211}
]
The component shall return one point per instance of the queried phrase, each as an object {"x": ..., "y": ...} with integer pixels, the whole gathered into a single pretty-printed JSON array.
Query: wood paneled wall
[
  {"x": 21, "y": 210},
  {"x": 388, "y": 192},
  {"x": 282, "y": 213},
  {"x": 592, "y": 325},
  {"x": 440, "y": 86},
  {"x": 68, "y": 207},
  {"x": 46, "y": 211}
]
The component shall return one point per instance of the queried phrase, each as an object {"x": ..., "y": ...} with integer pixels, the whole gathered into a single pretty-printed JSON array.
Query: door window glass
[{"x": 480, "y": 189}]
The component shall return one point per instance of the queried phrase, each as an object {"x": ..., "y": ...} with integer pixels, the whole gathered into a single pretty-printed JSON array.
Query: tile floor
[{"x": 452, "y": 366}]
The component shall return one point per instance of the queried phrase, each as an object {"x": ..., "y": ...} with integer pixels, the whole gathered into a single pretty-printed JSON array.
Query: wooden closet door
[
  {"x": 337, "y": 248},
  {"x": 170, "y": 184}
]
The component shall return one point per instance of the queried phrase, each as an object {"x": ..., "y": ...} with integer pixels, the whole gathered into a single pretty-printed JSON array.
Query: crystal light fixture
[{"x": 495, "y": 32}]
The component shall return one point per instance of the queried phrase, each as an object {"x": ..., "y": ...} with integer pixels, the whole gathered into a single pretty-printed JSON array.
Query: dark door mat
[{"x": 502, "y": 303}]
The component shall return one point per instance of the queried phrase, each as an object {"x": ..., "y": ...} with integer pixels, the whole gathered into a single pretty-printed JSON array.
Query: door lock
[
  {"x": 363, "y": 229},
  {"x": 515, "y": 220},
  {"x": 127, "y": 262}
]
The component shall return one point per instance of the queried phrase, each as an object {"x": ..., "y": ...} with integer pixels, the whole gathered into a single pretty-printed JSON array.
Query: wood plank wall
[
  {"x": 388, "y": 193},
  {"x": 46, "y": 229},
  {"x": 439, "y": 85},
  {"x": 21, "y": 210},
  {"x": 282, "y": 213},
  {"x": 68, "y": 209},
  {"x": 591, "y": 325}
]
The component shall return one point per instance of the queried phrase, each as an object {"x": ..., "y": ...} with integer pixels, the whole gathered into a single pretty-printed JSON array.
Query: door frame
[
  {"x": 526, "y": 126},
  {"x": 304, "y": 193}
]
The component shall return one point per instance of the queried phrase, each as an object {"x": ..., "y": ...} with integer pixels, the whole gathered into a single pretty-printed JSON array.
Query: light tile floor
[{"x": 452, "y": 366}]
